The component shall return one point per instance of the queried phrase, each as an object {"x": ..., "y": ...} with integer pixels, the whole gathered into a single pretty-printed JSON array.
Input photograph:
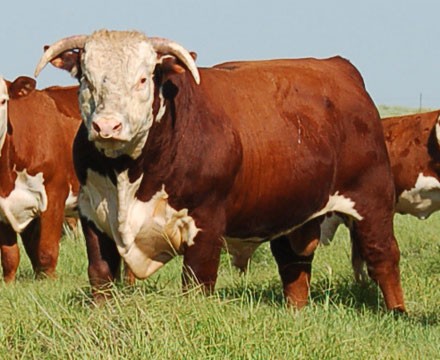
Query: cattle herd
[{"x": 162, "y": 158}]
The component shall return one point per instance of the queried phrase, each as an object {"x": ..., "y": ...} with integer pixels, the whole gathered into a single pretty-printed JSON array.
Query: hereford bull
[
  {"x": 173, "y": 159},
  {"x": 38, "y": 184}
]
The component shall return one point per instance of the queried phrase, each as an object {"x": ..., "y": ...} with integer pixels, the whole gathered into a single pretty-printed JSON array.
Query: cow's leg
[
  {"x": 42, "y": 237},
  {"x": 104, "y": 259},
  {"x": 374, "y": 242},
  {"x": 10, "y": 253},
  {"x": 294, "y": 255}
]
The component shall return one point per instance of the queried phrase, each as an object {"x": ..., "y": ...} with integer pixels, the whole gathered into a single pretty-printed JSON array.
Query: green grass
[
  {"x": 246, "y": 318},
  {"x": 386, "y": 110}
]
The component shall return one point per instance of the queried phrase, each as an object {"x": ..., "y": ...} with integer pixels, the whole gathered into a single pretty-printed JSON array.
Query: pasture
[{"x": 246, "y": 318}]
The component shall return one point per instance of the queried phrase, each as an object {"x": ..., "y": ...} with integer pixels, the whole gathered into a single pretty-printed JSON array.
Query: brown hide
[
  {"x": 41, "y": 128},
  {"x": 412, "y": 147}
]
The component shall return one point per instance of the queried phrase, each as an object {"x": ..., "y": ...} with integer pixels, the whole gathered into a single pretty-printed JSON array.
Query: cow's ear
[
  {"x": 68, "y": 60},
  {"x": 171, "y": 64},
  {"x": 21, "y": 86}
]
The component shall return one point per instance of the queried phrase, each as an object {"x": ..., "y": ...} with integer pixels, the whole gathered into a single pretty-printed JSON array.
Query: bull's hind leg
[
  {"x": 374, "y": 242},
  {"x": 294, "y": 254},
  {"x": 10, "y": 254}
]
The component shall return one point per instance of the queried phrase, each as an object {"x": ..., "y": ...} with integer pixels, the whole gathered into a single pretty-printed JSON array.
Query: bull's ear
[
  {"x": 21, "y": 86},
  {"x": 171, "y": 64},
  {"x": 68, "y": 60}
]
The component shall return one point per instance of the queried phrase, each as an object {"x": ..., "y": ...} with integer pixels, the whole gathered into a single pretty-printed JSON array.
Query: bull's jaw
[{"x": 114, "y": 148}]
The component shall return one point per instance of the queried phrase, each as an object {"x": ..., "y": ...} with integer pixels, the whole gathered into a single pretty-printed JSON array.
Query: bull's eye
[{"x": 141, "y": 83}]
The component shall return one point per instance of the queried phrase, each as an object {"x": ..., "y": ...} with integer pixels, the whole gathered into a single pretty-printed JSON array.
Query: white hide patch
[
  {"x": 71, "y": 204},
  {"x": 336, "y": 204},
  {"x": 241, "y": 250},
  {"x": 437, "y": 130},
  {"x": 422, "y": 200},
  {"x": 4, "y": 97},
  {"x": 147, "y": 234},
  {"x": 26, "y": 201}
]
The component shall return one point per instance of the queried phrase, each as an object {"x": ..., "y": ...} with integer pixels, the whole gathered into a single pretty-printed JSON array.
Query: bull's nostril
[
  {"x": 96, "y": 127},
  {"x": 117, "y": 127}
]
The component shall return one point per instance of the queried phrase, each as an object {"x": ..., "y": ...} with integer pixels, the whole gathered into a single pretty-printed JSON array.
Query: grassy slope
[{"x": 245, "y": 319}]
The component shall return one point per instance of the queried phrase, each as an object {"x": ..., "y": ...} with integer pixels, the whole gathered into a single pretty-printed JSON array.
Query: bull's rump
[{"x": 307, "y": 129}]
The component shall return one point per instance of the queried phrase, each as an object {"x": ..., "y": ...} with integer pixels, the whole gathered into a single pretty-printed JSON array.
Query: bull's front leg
[
  {"x": 104, "y": 259},
  {"x": 201, "y": 260}
]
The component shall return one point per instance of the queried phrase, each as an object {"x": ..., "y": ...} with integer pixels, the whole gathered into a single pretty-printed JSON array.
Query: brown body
[{"x": 41, "y": 128}]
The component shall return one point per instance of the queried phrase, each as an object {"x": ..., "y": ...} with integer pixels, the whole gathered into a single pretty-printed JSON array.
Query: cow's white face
[
  {"x": 4, "y": 98},
  {"x": 117, "y": 92}
]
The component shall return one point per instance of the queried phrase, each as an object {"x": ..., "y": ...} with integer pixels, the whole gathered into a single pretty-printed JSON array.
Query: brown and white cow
[
  {"x": 172, "y": 161},
  {"x": 38, "y": 184},
  {"x": 414, "y": 150}
]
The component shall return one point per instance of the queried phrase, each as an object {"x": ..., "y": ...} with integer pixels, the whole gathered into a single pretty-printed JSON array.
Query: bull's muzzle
[{"x": 107, "y": 129}]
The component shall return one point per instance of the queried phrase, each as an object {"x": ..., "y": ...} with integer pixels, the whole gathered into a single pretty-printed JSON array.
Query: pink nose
[{"x": 107, "y": 129}]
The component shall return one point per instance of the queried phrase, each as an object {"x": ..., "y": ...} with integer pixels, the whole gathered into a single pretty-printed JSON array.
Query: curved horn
[
  {"x": 69, "y": 43},
  {"x": 170, "y": 47}
]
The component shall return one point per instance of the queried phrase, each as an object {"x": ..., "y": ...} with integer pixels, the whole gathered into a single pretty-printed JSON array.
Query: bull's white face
[
  {"x": 4, "y": 98},
  {"x": 117, "y": 92}
]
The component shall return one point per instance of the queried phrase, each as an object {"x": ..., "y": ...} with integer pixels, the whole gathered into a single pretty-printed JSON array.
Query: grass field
[{"x": 246, "y": 318}]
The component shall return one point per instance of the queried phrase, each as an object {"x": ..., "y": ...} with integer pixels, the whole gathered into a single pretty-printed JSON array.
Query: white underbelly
[
  {"x": 27, "y": 200},
  {"x": 147, "y": 234},
  {"x": 422, "y": 200}
]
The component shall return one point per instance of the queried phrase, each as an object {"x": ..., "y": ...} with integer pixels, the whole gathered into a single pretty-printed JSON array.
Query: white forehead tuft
[{"x": 117, "y": 55}]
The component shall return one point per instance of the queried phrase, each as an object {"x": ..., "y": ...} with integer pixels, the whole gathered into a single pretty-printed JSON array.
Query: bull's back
[{"x": 297, "y": 121}]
